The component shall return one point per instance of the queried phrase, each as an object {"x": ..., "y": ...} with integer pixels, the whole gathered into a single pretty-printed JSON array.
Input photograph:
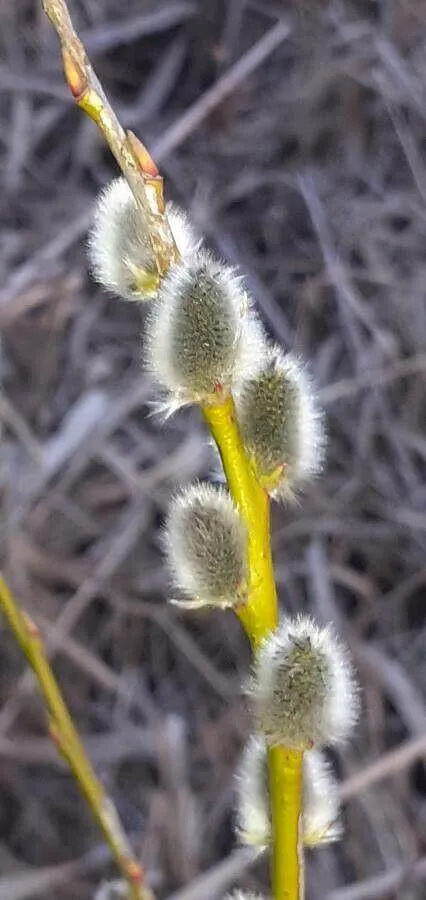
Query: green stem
[{"x": 67, "y": 740}]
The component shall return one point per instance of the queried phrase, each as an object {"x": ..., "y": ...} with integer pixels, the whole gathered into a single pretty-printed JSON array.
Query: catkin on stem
[
  {"x": 303, "y": 687},
  {"x": 201, "y": 336},
  {"x": 280, "y": 422},
  {"x": 206, "y": 545},
  {"x": 320, "y": 813},
  {"x": 120, "y": 248}
]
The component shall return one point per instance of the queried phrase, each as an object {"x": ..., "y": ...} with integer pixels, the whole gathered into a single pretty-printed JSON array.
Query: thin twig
[
  {"x": 65, "y": 736},
  {"x": 172, "y": 138},
  {"x": 133, "y": 158}
]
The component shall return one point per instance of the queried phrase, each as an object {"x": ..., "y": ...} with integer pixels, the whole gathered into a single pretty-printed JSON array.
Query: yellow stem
[
  {"x": 259, "y": 616},
  {"x": 66, "y": 738},
  {"x": 285, "y": 787}
]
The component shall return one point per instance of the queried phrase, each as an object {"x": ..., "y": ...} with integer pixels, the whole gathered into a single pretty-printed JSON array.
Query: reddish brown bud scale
[
  {"x": 144, "y": 160},
  {"x": 134, "y": 871},
  {"x": 33, "y": 630},
  {"x": 74, "y": 75}
]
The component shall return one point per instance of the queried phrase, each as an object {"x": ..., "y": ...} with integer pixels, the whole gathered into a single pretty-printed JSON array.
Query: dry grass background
[{"x": 310, "y": 174}]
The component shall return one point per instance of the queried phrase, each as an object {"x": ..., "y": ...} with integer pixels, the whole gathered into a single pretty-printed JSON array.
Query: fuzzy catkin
[
  {"x": 206, "y": 545},
  {"x": 119, "y": 244},
  {"x": 303, "y": 687},
  {"x": 201, "y": 335},
  {"x": 280, "y": 422}
]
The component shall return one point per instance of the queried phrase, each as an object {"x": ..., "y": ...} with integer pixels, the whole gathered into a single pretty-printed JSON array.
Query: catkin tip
[
  {"x": 205, "y": 542},
  {"x": 119, "y": 245},
  {"x": 281, "y": 424},
  {"x": 201, "y": 335},
  {"x": 303, "y": 687}
]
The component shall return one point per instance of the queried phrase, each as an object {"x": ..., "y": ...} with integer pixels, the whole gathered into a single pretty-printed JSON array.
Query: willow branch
[
  {"x": 132, "y": 156},
  {"x": 259, "y": 616},
  {"x": 68, "y": 743}
]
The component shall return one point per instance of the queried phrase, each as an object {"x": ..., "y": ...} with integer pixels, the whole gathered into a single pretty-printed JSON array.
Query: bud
[
  {"x": 206, "y": 545},
  {"x": 201, "y": 335},
  {"x": 280, "y": 423},
  {"x": 119, "y": 245},
  {"x": 320, "y": 805},
  {"x": 303, "y": 688}
]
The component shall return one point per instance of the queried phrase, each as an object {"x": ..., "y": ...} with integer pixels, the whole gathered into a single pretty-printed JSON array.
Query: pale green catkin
[
  {"x": 119, "y": 244},
  {"x": 303, "y": 687},
  {"x": 206, "y": 546},
  {"x": 280, "y": 423},
  {"x": 200, "y": 335},
  {"x": 300, "y": 688}
]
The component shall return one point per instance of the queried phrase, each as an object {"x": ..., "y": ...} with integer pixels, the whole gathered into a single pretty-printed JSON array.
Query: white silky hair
[
  {"x": 281, "y": 422},
  {"x": 119, "y": 244},
  {"x": 320, "y": 806},
  {"x": 205, "y": 542},
  {"x": 303, "y": 688},
  {"x": 253, "y": 816},
  {"x": 201, "y": 332}
]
